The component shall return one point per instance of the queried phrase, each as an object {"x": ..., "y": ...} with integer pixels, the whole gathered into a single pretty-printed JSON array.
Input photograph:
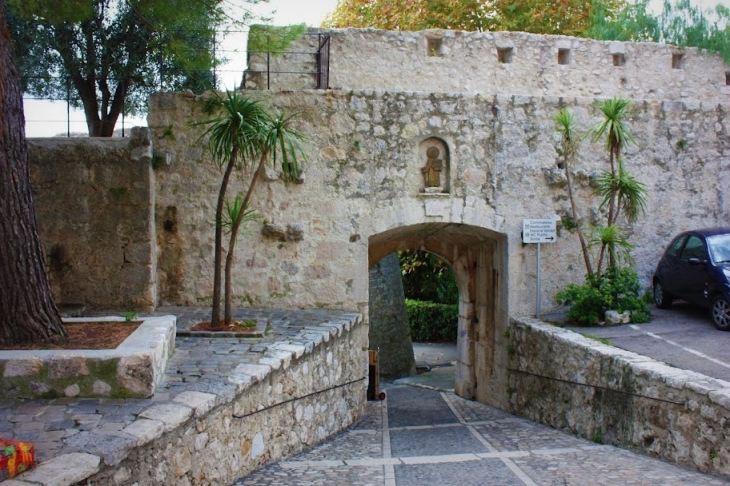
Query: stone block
[
  {"x": 145, "y": 430},
  {"x": 200, "y": 402},
  {"x": 63, "y": 470},
  {"x": 67, "y": 367},
  {"x": 170, "y": 414},
  {"x": 22, "y": 367},
  {"x": 616, "y": 48}
]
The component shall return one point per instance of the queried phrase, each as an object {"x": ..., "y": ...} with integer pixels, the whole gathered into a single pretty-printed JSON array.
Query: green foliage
[
  {"x": 616, "y": 289},
  {"x": 567, "y": 17},
  {"x": 605, "y": 341},
  {"x": 615, "y": 112},
  {"x": 628, "y": 190},
  {"x": 681, "y": 23},
  {"x": 273, "y": 39},
  {"x": 247, "y": 323},
  {"x": 112, "y": 54},
  {"x": 431, "y": 322},
  {"x": 130, "y": 316},
  {"x": 427, "y": 277},
  {"x": 611, "y": 239},
  {"x": 568, "y": 222},
  {"x": 597, "y": 438},
  {"x": 233, "y": 211}
]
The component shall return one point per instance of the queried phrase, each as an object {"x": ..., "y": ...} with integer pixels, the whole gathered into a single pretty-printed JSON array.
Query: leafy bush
[
  {"x": 427, "y": 277},
  {"x": 431, "y": 322},
  {"x": 616, "y": 288}
]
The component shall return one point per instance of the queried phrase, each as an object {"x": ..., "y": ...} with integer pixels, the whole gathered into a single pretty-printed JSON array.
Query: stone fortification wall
[
  {"x": 363, "y": 177},
  {"x": 564, "y": 380},
  {"x": 94, "y": 207},
  {"x": 502, "y": 63}
]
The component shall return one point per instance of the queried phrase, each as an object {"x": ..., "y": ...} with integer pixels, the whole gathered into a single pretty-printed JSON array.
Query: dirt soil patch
[
  {"x": 87, "y": 335},
  {"x": 245, "y": 327}
]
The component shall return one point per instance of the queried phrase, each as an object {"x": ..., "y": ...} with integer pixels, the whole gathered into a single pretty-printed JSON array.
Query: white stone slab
[{"x": 63, "y": 470}]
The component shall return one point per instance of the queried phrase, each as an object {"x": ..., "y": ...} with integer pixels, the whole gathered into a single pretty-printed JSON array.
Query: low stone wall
[
  {"x": 564, "y": 380},
  {"x": 133, "y": 369},
  {"x": 298, "y": 392}
]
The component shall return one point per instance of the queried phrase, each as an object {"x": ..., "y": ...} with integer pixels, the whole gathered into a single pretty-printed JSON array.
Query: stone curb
[{"x": 140, "y": 364}]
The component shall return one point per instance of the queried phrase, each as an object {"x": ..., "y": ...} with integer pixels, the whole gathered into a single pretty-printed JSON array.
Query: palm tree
[
  {"x": 244, "y": 133},
  {"x": 615, "y": 111},
  {"x": 569, "y": 142},
  {"x": 613, "y": 126}
]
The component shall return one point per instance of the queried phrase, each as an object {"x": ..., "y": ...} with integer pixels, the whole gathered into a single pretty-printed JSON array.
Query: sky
[{"x": 45, "y": 118}]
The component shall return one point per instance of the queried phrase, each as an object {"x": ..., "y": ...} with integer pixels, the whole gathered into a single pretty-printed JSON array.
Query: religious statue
[{"x": 432, "y": 169}]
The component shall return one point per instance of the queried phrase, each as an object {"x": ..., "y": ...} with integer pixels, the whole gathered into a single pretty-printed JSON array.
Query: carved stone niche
[{"x": 435, "y": 169}]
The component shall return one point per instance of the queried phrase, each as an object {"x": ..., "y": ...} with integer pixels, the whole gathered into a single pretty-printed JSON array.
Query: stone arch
[{"x": 478, "y": 257}]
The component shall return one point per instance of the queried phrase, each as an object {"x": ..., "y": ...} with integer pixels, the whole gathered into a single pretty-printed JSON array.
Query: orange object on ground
[{"x": 15, "y": 457}]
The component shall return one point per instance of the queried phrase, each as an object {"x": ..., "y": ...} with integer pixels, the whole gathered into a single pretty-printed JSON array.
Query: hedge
[{"x": 431, "y": 322}]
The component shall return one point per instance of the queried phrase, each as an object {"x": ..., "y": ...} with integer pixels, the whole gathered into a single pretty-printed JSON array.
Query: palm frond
[
  {"x": 232, "y": 211},
  {"x": 615, "y": 112}
]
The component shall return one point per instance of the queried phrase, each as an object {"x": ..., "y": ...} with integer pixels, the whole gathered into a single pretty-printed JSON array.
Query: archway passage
[{"x": 478, "y": 257}]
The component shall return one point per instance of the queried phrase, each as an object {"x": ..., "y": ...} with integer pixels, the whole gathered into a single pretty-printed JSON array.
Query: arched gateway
[{"x": 477, "y": 256}]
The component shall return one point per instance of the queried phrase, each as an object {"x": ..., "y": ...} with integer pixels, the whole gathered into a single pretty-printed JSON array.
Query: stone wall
[
  {"x": 93, "y": 200},
  {"x": 561, "y": 379},
  {"x": 363, "y": 178},
  {"x": 298, "y": 394},
  {"x": 501, "y": 63}
]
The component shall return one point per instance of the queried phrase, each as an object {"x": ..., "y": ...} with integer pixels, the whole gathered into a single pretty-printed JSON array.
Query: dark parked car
[{"x": 696, "y": 268}]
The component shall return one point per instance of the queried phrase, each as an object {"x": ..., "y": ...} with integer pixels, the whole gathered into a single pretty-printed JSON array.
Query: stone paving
[
  {"x": 200, "y": 363},
  {"x": 415, "y": 437},
  {"x": 424, "y": 437}
]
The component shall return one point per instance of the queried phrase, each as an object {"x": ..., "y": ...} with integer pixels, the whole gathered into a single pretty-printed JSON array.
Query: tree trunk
[
  {"x": 235, "y": 226},
  {"x": 27, "y": 310},
  {"x": 581, "y": 238},
  {"x": 215, "y": 319}
]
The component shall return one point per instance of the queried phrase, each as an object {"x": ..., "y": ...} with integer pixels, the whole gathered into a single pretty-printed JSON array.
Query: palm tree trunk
[
  {"x": 613, "y": 156},
  {"x": 235, "y": 225},
  {"x": 215, "y": 319},
  {"x": 581, "y": 238}
]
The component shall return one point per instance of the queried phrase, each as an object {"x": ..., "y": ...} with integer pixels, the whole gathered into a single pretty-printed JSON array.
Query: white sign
[
  {"x": 538, "y": 231},
  {"x": 434, "y": 208}
]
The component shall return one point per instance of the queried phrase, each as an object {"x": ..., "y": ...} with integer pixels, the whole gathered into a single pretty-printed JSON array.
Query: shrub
[
  {"x": 426, "y": 277},
  {"x": 431, "y": 322},
  {"x": 616, "y": 288}
]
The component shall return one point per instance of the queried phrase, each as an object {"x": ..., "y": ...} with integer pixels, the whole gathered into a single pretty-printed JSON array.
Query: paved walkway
[
  {"x": 416, "y": 436},
  {"x": 422, "y": 437},
  {"x": 66, "y": 425}
]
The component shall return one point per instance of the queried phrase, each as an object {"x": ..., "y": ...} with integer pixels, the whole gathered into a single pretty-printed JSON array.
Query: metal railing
[{"x": 321, "y": 57}]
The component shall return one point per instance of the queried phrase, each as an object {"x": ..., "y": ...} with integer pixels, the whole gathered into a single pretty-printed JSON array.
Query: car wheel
[
  {"x": 661, "y": 298},
  {"x": 721, "y": 313}
]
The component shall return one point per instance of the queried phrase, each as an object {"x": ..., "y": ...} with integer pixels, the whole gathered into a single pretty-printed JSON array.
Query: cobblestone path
[{"x": 420, "y": 437}]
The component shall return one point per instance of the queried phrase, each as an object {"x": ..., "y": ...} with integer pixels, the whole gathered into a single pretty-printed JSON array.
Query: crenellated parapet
[{"x": 495, "y": 63}]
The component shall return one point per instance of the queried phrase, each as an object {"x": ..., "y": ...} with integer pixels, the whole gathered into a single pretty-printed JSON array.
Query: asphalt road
[{"x": 682, "y": 336}]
